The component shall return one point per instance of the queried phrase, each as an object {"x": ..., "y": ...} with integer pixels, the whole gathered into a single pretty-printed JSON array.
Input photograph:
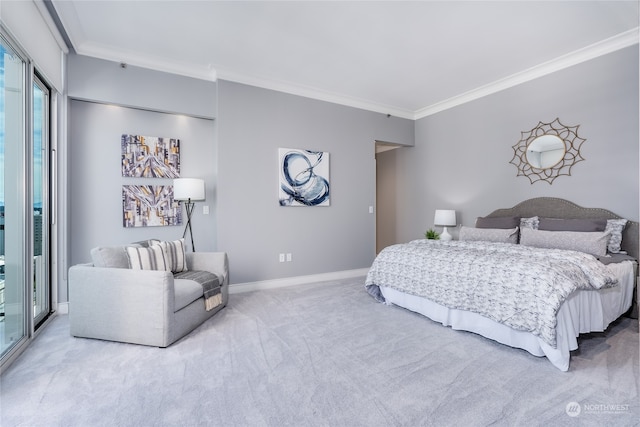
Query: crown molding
[
  {"x": 71, "y": 22},
  {"x": 195, "y": 71},
  {"x": 212, "y": 73},
  {"x": 612, "y": 44},
  {"x": 314, "y": 93}
]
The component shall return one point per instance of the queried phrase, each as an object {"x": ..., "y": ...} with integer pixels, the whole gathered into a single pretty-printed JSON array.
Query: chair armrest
[
  {"x": 214, "y": 262},
  {"x": 121, "y": 304}
]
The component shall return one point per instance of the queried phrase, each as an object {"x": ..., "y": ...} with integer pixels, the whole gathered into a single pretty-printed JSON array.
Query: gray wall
[
  {"x": 106, "y": 101},
  {"x": 252, "y": 227},
  {"x": 460, "y": 160},
  {"x": 95, "y": 181},
  {"x": 237, "y": 154},
  {"x": 461, "y": 156},
  {"x": 107, "y": 82}
]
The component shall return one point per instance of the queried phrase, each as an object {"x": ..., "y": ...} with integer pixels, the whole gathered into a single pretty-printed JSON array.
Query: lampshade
[
  {"x": 188, "y": 188},
  {"x": 444, "y": 217}
]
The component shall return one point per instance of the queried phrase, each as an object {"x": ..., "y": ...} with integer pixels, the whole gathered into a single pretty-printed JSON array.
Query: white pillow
[
  {"x": 151, "y": 258},
  {"x": 503, "y": 235},
  {"x": 174, "y": 254},
  {"x": 590, "y": 242}
]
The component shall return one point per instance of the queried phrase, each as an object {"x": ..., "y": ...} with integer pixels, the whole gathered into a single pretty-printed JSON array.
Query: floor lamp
[{"x": 189, "y": 190}]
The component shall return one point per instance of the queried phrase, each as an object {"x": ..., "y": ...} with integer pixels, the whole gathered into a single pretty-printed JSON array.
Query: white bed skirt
[{"x": 584, "y": 311}]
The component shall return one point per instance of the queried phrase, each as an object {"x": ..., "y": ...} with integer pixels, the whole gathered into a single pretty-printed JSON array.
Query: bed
[{"x": 532, "y": 287}]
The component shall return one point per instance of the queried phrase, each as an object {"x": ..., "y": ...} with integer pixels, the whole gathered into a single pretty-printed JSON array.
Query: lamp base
[
  {"x": 189, "y": 205},
  {"x": 445, "y": 235}
]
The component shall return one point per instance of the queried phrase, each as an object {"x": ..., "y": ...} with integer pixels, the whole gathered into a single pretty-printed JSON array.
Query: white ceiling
[{"x": 407, "y": 59}]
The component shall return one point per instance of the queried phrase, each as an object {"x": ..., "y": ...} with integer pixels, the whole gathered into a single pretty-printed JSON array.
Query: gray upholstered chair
[{"x": 109, "y": 301}]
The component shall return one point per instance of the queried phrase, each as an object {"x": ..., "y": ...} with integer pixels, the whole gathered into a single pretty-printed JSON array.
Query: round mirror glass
[{"x": 545, "y": 151}]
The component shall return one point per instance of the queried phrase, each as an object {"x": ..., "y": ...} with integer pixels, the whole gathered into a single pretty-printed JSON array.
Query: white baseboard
[
  {"x": 236, "y": 288},
  {"x": 63, "y": 308}
]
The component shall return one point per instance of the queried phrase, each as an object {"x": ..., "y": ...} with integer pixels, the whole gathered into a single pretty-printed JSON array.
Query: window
[
  {"x": 25, "y": 267},
  {"x": 13, "y": 329},
  {"x": 40, "y": 184}
]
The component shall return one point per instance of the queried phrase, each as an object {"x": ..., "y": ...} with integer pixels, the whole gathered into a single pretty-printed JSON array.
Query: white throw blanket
[{"x": 519, "y": 286}]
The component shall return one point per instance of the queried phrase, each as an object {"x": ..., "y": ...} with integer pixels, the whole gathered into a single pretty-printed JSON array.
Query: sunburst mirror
[{"x": 547, "y": 151}]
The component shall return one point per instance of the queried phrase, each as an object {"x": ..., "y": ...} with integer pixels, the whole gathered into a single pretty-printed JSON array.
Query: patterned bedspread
[{"x": 519, "y": 286}]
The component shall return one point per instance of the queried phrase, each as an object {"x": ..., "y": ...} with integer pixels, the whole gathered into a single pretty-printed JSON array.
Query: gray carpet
[{"x": 318, "y": 355}]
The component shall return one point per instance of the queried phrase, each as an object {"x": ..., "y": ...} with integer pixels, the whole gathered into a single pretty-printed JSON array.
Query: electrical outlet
[
  {"x": 281, "y": 257},
  {"x": 288, "y": 257},
  {"x": 205, "y": 210}
]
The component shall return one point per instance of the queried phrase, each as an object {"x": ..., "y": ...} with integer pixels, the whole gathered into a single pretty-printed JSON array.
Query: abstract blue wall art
[{"x": 304, "y": 177}]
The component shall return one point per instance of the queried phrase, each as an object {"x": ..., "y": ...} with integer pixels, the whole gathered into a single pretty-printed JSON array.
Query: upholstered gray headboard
[{"x": 552, "y": 207}]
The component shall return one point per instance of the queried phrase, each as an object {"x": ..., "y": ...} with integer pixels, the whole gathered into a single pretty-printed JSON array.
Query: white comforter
[{"x": 518, "y": 286}]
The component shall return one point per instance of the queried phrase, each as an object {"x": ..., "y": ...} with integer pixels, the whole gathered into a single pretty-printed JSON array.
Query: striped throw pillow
[
  {"x": 174, "y": 254},
  {"x": 151, "y": 258}
]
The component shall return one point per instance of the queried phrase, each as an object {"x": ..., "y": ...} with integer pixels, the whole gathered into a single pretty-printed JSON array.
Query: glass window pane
[
  {"x": 12, "y": 216},
  {"x": 40, "y": 253}
]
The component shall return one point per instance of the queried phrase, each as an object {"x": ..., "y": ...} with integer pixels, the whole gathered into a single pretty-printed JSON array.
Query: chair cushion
[{"x": 186, "y": 292}]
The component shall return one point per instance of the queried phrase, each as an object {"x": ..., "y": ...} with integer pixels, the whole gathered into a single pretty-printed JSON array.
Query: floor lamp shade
[
  {"x": 445, "y": 218},
  {"x": 188, "y": 189}
]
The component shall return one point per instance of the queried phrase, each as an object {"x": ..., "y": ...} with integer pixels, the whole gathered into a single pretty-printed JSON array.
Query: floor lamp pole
[{"x": 189, "y": 206}]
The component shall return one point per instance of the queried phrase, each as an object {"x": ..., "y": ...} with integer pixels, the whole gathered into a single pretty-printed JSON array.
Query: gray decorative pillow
[
  {"x": 174, "y": 254},
  {"x": 615, "y": 258},
  {"x": 559, "y": 224},
  {"x": 151, "y": 258},
  {"x": 531, "y": 222},
  {"x": 615, "y": 228},
  {"x": 502, "y": 235},
  {"x": 498, "y": 222},
  {"x": 594, "y": 243},
  {"x": 109, "y": 257}
]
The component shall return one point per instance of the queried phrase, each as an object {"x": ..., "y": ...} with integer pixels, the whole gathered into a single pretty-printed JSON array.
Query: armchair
[{"x": 142, "y": 306}]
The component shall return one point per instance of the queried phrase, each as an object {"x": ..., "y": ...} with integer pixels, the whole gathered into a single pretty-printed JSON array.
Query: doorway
[{"x": 386, "y": 190}]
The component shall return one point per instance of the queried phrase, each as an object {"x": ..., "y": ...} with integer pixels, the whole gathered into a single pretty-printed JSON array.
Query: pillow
[
  {"x": 489, "y": 234},
  {"x": 615, "y": 258},
  {"x": 594, "y": 242},
  {"x": 557, "y": 224},
  {"x": 615, "y": 228},
  {"x": 151, "y": 258},
  {"x": 531, "y": 222},
  {"x": 145, "y": 243},
  {"x": 498, "y": 222},
  {"x": 110, "y": 257},
  {"x": 174, "y": 254}
]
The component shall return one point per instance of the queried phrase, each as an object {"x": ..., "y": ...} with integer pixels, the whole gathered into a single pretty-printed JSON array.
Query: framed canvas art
[
  {"x": 304, "y": 177},
  {"x": 149, "y": 206},
  {"x": 150, "y": 157}
]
